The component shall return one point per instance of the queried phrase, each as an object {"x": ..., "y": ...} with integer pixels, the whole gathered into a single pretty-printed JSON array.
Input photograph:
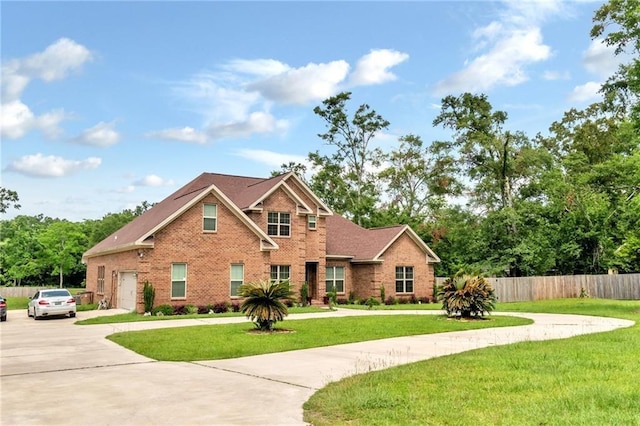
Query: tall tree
[
  {"x": 496, "y": 161},
  {"x": 346, "y": 179},
  {"x": 417, "y": 180},
  {"x": 618, "y": 21},
  {"x": 63, "y": 244},
  {"x": 8, "y": 198}
]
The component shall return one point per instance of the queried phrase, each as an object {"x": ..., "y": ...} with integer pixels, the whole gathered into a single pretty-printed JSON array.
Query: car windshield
[{"x": 56, "y": 293}]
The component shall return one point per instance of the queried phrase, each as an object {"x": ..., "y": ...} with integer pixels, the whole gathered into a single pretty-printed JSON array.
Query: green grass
[
  {"x": 586, "y": 380},
  {"x": 14, "y": 303},
  {"x": 135, "y": 317},
  {"x": 233, "y": 340},
  {"x": 398, "y": 307}
]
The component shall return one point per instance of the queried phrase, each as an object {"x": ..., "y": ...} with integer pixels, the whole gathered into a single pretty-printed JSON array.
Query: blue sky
[{"x": 108, "y": 104}]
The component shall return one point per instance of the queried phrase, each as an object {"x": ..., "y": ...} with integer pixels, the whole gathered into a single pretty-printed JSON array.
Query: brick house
[{"x": 202, "y": 242}]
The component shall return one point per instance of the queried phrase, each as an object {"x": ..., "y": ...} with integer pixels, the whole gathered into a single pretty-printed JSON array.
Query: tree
[
  {"x": 20, "y": 249},
  {"x": 263, "y": 302},
  {"x": 8, "y": 198},
  {"x": 346, "y": 179},
  {"x": 496, "y": 161},
  {"x": 417, "y": 180},
  {"x": 63, "y": 244},
  {"x": 619, "y": 22}
]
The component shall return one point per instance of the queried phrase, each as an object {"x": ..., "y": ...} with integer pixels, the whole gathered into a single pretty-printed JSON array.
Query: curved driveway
[{"x": 54, "y": 372}]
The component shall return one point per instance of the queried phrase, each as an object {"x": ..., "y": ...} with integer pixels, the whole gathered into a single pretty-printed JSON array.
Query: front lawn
[
  {"x": 233, "y": 340},
  {"x": 585, "y": 380},
  {"x": 135, "y": 317}
]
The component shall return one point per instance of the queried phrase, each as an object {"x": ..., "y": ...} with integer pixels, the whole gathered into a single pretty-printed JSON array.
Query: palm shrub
[
  {"x": 263, "y": 303},
  {"x": 467, "y": 296},
  {"x": 148, "y": 295}
]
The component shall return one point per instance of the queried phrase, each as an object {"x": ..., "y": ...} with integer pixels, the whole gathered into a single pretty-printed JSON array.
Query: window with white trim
[
  {"x": 404, "y": 279},
  {"x": 237, "y": 278},
  {"x": 312, "y": 221},
  {"x": 178, "y": 280},
  {"x": 279, "y": 224},
  {"x": 280, "y": 273},
  {"x": 210, "y": 217},
  {"x": 100, "y": 287},
  {"x": 335, "y": 278}
]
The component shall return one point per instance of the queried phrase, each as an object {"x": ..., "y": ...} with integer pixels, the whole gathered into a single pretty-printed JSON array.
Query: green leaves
[
  {"x": 263, "y": 302},
  {"x": 467, "y": 296}
]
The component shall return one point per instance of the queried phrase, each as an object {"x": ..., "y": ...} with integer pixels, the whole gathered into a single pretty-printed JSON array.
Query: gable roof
[
  {"x": 230, "y": 190},
  {"x": 347, "y": 240}
]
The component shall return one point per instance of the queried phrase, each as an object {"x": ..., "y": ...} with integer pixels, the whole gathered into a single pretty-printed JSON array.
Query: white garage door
[{"x": 127, "y": 291}]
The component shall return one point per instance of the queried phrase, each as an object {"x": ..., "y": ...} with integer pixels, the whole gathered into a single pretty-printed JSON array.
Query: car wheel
[
  {"x": 72, "y": 315},
  {"x": 28, "y": 313},
  {"x": 35, "y": 314}
]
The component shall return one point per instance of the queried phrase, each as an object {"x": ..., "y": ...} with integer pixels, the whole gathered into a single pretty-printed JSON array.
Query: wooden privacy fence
[
  {"x": 523, "y": 289},
  {"x": 20, "y": 291}
]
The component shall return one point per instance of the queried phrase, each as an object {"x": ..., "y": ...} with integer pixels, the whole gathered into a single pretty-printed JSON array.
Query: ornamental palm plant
[
  {"x": 467, "y": 296},
  {"x": 263, "y": 302}
]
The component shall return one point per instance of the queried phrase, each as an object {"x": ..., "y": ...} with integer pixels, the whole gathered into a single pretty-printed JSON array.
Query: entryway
[{"x": 127, "y": 291}]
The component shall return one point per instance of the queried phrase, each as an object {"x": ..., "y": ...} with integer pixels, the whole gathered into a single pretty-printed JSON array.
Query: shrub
[
  {"x": 404, "y": 300},
  {"x": 178, "y": 310},
  {"x": 163, "y": 310},
  {"x": 382, "y": 293},
  {"x": 289, "y": 303},
  {"x": 352, "y": 297},
  {"x": 235, "y": 307},
  {"x": 148, "y": 295},
  {"x": 424, "y": 299},
  {"x": 342, "y": 301},
  {"x": 371, "y": 302},
  {"x": 220, "y": 308},
  {"x": 413, "y": 299},
  {"x": 304, "y": 294},
  {"x": 467, "y": 296},
  {"x": 263, "y": 302},
  {"x": 190, "y": 309},
  {"x": 203, "y": 309},
  {"x": 390, "y": 300}
]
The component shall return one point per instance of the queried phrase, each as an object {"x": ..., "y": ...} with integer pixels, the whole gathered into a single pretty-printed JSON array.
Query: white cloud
[
  {"x": 258, "y": 67},
  {"x": 17, "y": 119},
  {"x": 126, "y": 190},
  {"x": 373, "y": 68},
  {"x": 312, "y": 82},
  {"x": 586, "y": 93},
  {"x": 270, "y": 158},
  {"x": 54, "y": 63},
  {"x": 556, "y": 75},
  {"x": 185, "y": 134},
  {"x": 39, "y": 165},
  {"x": 503, "y": 64},
  {"x": 102, "y": 134},
  {"x": 153, "y": 180},
  {"x": 600, "y": 59},
  {"x": 257, "y": 122}
]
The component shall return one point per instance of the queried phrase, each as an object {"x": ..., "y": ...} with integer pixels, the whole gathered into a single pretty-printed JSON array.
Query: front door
[{"x": 311, "y": 277}]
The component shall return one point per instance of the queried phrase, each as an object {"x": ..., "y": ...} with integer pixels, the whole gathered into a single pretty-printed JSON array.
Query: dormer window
[
  {"x": 210, "y": 218},
  {"x": 312, "y": 221},
  {"x": 279, "y": 224}
]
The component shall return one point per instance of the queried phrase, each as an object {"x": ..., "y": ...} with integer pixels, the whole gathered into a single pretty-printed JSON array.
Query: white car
[{"x": 46, "y": 303}]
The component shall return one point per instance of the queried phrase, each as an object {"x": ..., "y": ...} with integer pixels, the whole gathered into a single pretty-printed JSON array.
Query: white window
[
  {"x": 312, "y": 221},
  {"x": 178, "y": 280},
  {"x": 279, "y": 224},
  {"x": 237, "y": 278},
  {"x": 335, "y": 278},
  {"x": 210, "y": 217},
  {"x": 100, "y": 289},
  {"x": 280, "y": 273},
  {"x": 404, "y": 279}
]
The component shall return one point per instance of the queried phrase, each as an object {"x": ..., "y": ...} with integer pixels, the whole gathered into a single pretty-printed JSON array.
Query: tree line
[{"x": 487, "y": 200}]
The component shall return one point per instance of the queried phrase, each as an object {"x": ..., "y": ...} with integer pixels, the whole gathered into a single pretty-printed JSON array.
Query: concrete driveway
[{"x": 54, "y": 372}]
